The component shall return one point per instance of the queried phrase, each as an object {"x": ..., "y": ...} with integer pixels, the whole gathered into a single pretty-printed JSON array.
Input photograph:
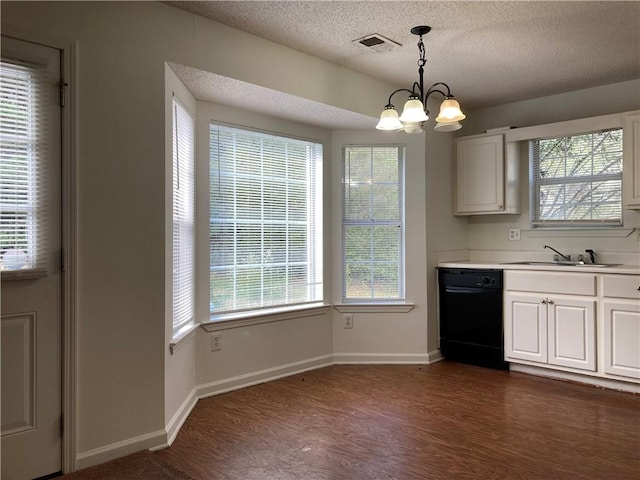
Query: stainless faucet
[
  {"x": 566, "y": 257},
  {"x": 592, "y": 254}
]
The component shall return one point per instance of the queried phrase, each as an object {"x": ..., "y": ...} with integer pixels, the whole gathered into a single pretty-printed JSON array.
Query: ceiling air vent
[{"x": 377, "y": 43}]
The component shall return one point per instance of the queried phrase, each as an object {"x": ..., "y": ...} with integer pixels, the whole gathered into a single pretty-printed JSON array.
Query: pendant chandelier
[{"x": 415, "y": 111}]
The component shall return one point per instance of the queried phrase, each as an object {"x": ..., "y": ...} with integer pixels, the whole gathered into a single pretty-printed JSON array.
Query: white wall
[
  {"x": 445, "y": 233},
  {"x": 396, "y": 337},
  {"x": 589, "y": 102},
  {"x": 179, "y": 365}
]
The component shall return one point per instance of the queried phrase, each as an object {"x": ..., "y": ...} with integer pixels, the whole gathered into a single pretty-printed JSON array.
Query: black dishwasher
[{"x": 471, "y": 316}]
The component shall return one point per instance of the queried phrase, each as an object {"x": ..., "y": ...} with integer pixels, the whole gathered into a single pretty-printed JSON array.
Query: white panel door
[
  {"x": 622, "y": 338},
  {"x": 31, "y": 297},
  {"x": 525, "y": 328},
  {"x": 572, "y": 341}
]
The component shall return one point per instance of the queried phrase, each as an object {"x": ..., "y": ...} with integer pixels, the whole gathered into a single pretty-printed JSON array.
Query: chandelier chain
[{"x": 423, "y": 56}]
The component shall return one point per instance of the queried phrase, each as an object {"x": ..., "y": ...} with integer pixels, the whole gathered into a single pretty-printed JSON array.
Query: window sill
[
  {"x": 374, "y": 307},
  {"x": 182, "y": 337},
  {"x": 26, "y": 274},
  {"x": 245, "y": 319}
]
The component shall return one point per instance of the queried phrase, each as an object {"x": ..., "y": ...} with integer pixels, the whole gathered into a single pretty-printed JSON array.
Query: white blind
[
  {"x": 23, "y": 168},
  {"x": 265, "y": 220},
  {"x": 183, "y": 217},
  {"x": 373, "y": 222},
  {"x": 577, "y": 180}
]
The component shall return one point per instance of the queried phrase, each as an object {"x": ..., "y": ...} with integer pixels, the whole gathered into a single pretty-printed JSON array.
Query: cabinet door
[
  {"x": 525, "y": 327},
  {"x": 622, "y": 338},
  {"x": 631, "y": 168},
  {"x": 572, "y": 340},
  {"x": 480, "y": 174}
]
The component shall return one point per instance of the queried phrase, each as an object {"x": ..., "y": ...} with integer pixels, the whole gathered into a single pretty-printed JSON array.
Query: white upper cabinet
[
  {"x": 631, "y": 167},
  {"x": 486, "y": 176}
]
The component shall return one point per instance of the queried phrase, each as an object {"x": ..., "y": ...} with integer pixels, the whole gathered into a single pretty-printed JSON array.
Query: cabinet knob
[
  {"x": 500, "y": 207},
  {"x": 543, "y": 301},
  {"x": 638, "y": 288},
  {"x": 550, "y": 302}
]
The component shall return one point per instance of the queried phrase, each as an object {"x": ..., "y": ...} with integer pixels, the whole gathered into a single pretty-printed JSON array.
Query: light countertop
[{"x": 620, "y": 269}]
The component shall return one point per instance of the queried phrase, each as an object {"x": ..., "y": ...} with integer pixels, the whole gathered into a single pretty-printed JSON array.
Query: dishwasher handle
[{"x": 467, "y": 290}]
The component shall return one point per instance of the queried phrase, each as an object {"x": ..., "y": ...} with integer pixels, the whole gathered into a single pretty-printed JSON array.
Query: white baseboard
[
  {"x": 384, "y": 358},
  {"x": 262, "y": 376},
  {"x": 435, "y": 356},
  {"x": 574, "y": 377},
  {"x": 178, "y": 419},
  {"x": 120, "y": 449}
]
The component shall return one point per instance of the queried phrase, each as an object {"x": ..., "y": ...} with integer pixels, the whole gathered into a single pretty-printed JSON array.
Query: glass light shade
[
  {"x": 413, "y": 112},
  {"x": 447, "y": 127},
  {"x": 450, "y": 112},
  {"x": 413, "y": 127},
  {"x": 389, "y": 120}
]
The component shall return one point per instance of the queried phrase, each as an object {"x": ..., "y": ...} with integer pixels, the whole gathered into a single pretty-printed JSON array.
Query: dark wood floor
[{"x": 444, "y": 421}]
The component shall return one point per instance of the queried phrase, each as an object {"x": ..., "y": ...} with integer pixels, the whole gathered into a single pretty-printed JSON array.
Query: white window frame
[
  {"x": 231, "y": 186},
  {"x": 374, "y": 221}
]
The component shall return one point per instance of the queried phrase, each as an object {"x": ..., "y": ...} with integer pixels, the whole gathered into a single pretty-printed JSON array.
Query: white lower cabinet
[
  {"x": 621, "y": 325},
  {"x": 584, "y": 323},
  {"x": 622, "y": 339},
  {"x": 550, "y": 329},
  {"x": 572, "y": 332},
  {"x": 525, "y": 327}
]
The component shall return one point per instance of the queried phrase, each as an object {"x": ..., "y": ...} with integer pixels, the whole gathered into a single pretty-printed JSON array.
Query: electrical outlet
[
  {"x": 216, "y": 342},
  {"x": 514, "y": 234},
  {"x": 348, "y": 321}
]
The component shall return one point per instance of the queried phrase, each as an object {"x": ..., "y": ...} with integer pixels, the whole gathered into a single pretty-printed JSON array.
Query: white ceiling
[{"x": 490, "y": 53}]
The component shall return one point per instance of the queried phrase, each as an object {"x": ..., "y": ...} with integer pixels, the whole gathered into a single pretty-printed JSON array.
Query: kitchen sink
[{"x": 565, "y": 264}]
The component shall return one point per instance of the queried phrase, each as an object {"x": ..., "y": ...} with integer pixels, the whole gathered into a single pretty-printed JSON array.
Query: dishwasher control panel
[{"x": 468, "y": 277}]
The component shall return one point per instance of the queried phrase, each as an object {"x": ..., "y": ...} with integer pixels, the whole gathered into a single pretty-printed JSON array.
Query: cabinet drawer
[
  {"x": 621, "y": 286},
  {"x": 551, "y": 282}
]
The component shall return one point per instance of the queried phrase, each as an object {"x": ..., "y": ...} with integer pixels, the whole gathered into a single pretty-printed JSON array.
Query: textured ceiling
[
  {"x": 215, "y": 88},
  {"x": 490, "y": 53}
]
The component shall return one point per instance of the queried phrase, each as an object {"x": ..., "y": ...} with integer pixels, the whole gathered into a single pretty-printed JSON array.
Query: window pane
[
  {"x": 385, "y": 202},
  {"x": 577, "y": 179},
  {"x": 265, "y": 214},
  {"x": 23, "y": 172}
]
